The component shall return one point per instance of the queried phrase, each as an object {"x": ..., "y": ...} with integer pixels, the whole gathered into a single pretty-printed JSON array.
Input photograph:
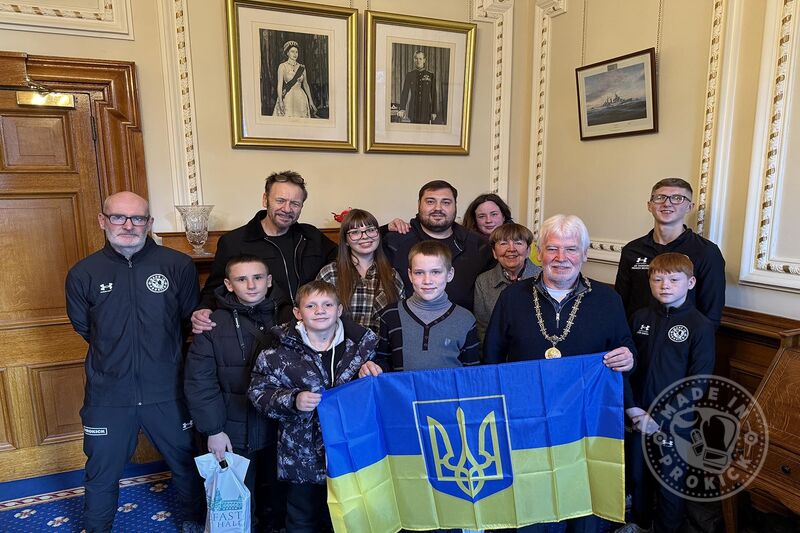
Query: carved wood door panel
[{"x": 49, "y": 199}]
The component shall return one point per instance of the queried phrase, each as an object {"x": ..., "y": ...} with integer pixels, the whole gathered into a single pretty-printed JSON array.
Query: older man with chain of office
[{"x": 560, "y": 313}]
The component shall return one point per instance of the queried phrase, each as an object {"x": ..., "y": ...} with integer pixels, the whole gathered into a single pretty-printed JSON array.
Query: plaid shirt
[{"x": 368, "y": 298}]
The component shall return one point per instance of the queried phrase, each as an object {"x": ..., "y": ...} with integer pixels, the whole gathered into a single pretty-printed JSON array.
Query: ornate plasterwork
[
  {"x": 501, "y": 14},
  {"x": 545, "y": 10},
  {"x": 108, "y": 18},
  {"x": 710, "y": 115},
  {"x": 179, "y": 95},
  {"x": 759, "y": 266}
]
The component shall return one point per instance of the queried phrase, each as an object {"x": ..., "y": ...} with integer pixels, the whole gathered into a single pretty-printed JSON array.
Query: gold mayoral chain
[{"x": 553, "y": 352}]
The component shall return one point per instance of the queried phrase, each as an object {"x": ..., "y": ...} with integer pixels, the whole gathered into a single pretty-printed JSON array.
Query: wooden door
[{"x": 49, "y": 199}]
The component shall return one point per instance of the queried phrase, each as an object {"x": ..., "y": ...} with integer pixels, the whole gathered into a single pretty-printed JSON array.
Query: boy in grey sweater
[{"x": 426, "y": 330}]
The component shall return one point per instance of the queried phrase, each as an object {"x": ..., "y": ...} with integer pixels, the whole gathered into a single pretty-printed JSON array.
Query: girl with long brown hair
[{"x": 365, "y": 280}]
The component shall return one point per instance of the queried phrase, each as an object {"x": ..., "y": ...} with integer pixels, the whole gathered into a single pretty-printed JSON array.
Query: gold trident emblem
[{"x": 468, "y": 473}]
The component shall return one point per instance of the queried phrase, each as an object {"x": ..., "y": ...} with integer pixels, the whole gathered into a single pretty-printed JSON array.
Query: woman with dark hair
[
  {"x": 485, "y": 213},
  {"x": 294, "y": 95},
  {"x": 365, "y": 280}
]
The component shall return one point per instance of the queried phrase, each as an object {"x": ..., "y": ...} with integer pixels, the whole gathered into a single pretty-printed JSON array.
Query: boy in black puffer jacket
[{"x": 217, "y": 375}]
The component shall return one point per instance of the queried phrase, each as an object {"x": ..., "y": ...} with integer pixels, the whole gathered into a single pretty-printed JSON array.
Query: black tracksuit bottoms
[{"x": 109, "y": 441}]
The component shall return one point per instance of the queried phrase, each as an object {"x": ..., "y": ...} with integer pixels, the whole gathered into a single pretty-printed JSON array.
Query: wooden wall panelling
[
  {"x": 112, "y": 85},
  {"x": 6, "y": 428},
  {"x": 57, "y": 400},
  {"x": 746, "y": 344},
  {"x": 45, "y": 198}
]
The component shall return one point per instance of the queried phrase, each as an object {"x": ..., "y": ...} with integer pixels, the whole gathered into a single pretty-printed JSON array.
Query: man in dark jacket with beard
[
  {"x": 217, "y": 375},
  {"x": 294, "y": 252},
  {"x": 435, "y": 220}
]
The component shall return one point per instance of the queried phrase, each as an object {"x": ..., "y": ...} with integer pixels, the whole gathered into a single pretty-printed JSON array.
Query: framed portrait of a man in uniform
[{"x": 419, "y": 84}]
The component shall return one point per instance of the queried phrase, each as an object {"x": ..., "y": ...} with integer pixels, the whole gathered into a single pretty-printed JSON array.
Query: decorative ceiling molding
[
  {"x": 110, "y": 19},
  {"x": 179, "y": 97},
  {"x": 711, "y": 114},
  {"x": 501, "y": 14},
  {"x": 544, "y": 11},
  {"x": 760, "y": 266}
]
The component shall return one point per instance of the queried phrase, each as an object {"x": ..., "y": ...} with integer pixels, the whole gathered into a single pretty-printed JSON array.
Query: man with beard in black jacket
[
  {"x": 294, "y": 252},
  {"x": 217, "y": 376},
  {"x": 435, "y": 220},
  {"x": 129, "y": 301}
]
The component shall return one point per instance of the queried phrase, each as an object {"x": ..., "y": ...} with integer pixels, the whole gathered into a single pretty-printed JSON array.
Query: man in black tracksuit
[
  {"x": 436, "y": 220},
  {"x": 670, "y": 202},
  {"x": 130, "y": 301},
  {"x": 294, "y": 252}
]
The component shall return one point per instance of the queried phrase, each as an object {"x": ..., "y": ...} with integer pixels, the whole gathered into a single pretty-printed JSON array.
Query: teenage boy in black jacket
[
  {"x": 674, "y": 340},
  {"x": 670, "y": 201},
  {"x": 217, "y": 376}
]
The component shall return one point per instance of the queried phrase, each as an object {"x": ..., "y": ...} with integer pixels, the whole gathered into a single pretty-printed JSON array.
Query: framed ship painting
[{"x": 618, "y": 96}]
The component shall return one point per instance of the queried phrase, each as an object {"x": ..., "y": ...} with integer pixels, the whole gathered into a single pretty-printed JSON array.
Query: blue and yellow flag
[{"x": 483, "y": 447}]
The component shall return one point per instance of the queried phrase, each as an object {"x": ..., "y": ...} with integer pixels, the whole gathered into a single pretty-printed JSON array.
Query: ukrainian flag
[{"x": 483, "y": 447}]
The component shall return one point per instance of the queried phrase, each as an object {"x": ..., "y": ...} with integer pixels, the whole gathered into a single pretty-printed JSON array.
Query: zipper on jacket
[
  {"x": 285, "y": 268},
  {"x": 136, "y": 351},
  {"x": 558, "y": 306},
  {"x": 294, "y": 263}
]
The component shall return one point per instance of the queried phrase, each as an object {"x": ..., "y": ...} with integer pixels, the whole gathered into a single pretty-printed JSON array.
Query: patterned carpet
[{"x": 147, "y": 504}]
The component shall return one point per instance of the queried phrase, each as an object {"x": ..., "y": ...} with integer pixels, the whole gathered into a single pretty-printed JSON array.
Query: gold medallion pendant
[{"x": 552, "y": 353}]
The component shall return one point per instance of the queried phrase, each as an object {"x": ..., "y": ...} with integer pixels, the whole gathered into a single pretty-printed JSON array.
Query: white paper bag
[{"x": 227, "y": 498}]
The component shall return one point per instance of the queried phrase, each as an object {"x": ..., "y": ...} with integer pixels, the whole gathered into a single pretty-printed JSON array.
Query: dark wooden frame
[
  {"x": 647, "y": 55},
  {"x": 111, "y": 86}
]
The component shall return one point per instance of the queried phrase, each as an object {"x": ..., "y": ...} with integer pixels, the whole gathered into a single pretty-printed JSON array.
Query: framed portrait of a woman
[{"x": 292, "y": 68}]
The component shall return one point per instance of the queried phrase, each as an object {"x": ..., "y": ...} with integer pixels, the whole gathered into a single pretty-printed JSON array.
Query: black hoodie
[{"x": 217, "y": 372}]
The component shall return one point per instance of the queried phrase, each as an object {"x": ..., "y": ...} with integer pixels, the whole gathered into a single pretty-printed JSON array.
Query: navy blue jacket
[
  {"x": 132, "y": 314},
  {"x": 633, "y": 284},
  {"x": 672, "y": 343},
  {"x": 471, "y": 256},
  {"x": 513, "y": 333},
  {"x": 218, "y": 366}
]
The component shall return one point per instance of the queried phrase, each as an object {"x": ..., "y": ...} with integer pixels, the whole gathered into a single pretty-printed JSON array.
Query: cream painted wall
[
  {"x": 604, "y": 181},
  {"x": 607, "y": 182},
  {"x": 232, "y": 179},
  {"x": 385, "y": 184}
]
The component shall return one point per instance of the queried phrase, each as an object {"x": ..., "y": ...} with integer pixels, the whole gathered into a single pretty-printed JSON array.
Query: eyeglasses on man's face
[
  {"x": 358, "y": 233},
  {"x": 675, "y": 199},
  {"x": 119, "y": 220}
]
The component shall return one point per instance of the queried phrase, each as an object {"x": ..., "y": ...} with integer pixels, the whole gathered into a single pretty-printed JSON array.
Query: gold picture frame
[
  {"x": 307, "y": 54},
  {"x": 418, "y": 84}
]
